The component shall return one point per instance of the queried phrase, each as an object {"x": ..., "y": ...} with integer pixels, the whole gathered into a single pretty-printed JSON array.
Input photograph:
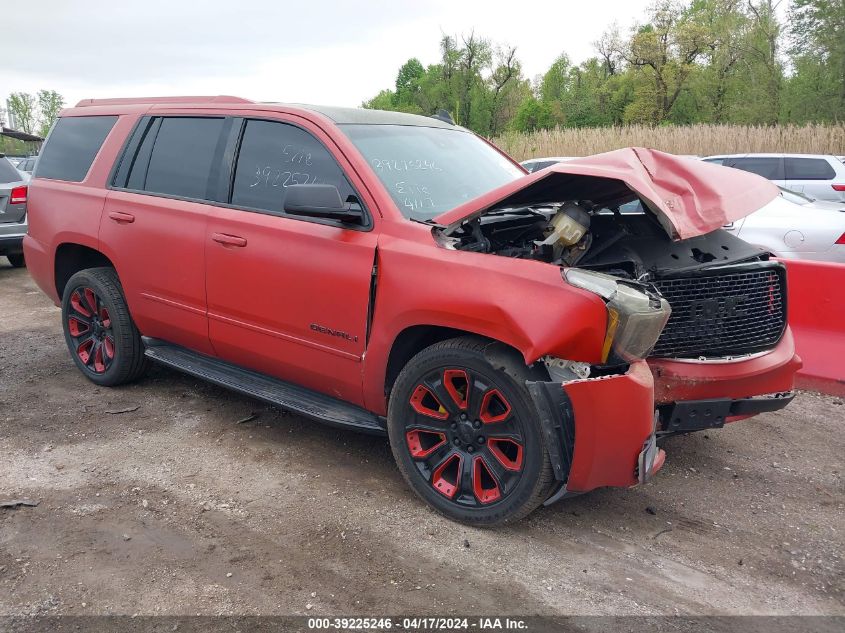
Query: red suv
[{"x": 518, "y": 337}]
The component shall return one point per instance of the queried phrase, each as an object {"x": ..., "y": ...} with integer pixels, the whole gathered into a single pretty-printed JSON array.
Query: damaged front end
[{"x": 696, "y": 331}]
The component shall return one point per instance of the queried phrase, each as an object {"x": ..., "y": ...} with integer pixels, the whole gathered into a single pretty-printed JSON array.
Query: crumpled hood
[{"x": 688, "y": 196}]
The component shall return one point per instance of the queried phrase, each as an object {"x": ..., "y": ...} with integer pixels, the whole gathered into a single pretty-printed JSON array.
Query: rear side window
[
  {"x": 72, "y": 146},
  {"x": 274, "y": 156},
  {"x": 809, "y": 169},
  {"x": 181, "y": 158},
  {"x": 7, "y": 172},
  {"x": 767, "y": 167}
]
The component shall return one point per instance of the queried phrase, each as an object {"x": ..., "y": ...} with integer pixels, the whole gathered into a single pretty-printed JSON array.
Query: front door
[{"x": 288, "y": 296}]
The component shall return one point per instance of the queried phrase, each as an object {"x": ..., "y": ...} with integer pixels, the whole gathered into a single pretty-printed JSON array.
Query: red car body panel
[
  {"x": 771, "y": 372},
  {"x": 269, "y": 311},
  {"x": 688, "y": 196}
]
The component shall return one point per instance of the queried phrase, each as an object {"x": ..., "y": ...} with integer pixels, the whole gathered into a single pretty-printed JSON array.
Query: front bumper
[
  {"x": 767, "y": 373},
  {"x": 605, "y": 428},
  {"x": 602, "y": 431}
]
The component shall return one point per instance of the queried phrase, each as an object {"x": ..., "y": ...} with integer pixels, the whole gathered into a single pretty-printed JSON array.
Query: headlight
[{"x": 635, "y": 316}]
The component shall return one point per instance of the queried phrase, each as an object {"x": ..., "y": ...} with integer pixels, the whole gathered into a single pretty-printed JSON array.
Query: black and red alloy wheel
[
  {"x": 464, "y": 437},
  {"x": 89, "y": 325}
]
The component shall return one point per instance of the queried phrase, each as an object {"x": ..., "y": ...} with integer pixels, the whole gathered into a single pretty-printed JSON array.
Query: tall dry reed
[{"x": 702, "y": 140}]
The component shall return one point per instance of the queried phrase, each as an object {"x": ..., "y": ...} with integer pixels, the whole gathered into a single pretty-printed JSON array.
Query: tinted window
[
  {"x": 715, "y": 161},
  {"x": 72, "y": 146},
  {"x": 532, "y": 167},
  {"x": 7, "y": 172},
  {"x": 274, "y": 156},
  {"x": 771, "y": 168},
  {"x": 809, "y": 169},
  {"x": 181, "y": 158},
  {"x": 136, "y": 165}
]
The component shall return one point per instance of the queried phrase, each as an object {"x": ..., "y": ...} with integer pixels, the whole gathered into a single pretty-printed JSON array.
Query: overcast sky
[{"x": 323, "y": 52}]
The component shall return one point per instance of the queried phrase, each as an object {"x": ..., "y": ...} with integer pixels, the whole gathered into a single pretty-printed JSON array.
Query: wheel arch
[
  {"x": 415, "y": 338},
  {"x": 71, "y": 258}
]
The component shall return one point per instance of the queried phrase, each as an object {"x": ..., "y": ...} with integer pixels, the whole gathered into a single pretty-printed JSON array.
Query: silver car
[
  {"x": 820, "y": 176},
  {"x": 13, "y": 193},
  {"x": 795, "y": 226},
  {"x": 27, "y": 164},
  {"x": 536, "y": 164}
]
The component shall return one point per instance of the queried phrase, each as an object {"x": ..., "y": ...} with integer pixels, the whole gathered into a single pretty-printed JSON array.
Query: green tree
[
  {"x": 22, "y": 107},
  {"x": 818, "y": 46},
  {"x": 665, "y": 50},
  {"x": 50, "y": 103}
]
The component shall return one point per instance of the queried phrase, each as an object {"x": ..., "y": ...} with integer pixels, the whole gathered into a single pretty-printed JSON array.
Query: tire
[
  {"x": 100, "y": 334},
  {"x": 16, "y": 260},
  {"x": 466, "y": 435}
]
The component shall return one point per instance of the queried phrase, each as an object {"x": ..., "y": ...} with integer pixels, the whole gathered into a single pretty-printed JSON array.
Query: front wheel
[
  {"x": 99, "y": 331},
  {"x": 16, "y": 260},
  {"x": 466, "y": 435}
]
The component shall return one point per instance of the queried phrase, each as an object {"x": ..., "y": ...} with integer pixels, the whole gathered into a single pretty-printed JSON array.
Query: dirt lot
[{"x": 176, "y": 508}]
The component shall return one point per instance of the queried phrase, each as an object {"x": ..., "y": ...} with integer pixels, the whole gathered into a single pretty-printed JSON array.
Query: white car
[
  {"x": 536, "y": 164},
  {"x": 794, "y": 226},
  {"x": 818, "y": 175}
]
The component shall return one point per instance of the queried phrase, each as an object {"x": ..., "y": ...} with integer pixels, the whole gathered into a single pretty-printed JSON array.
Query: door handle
[
  {"x": 122, "y": 218},
  {"x": 228, "y": 240}
]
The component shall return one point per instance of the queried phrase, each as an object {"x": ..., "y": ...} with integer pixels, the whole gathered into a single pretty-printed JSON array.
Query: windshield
[
  {"x": 7, "y": 172},
  {"x": 431, "y": 170}
]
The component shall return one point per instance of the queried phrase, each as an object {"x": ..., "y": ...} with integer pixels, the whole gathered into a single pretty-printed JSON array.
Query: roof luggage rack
[{"x": 143, "y": 100}]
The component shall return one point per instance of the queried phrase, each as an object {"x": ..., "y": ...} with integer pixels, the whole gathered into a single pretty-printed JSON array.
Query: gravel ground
[{"x": 174, "y": 507}]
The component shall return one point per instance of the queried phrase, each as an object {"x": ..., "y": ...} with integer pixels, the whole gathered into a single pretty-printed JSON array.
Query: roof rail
[{"x": 151, "y": 100}]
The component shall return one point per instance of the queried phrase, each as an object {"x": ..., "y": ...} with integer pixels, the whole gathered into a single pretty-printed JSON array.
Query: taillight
[
  {"x": 841, "y": 239},
  {"x": 838, "y": 187},
  {"x": 18, "y": 195}
]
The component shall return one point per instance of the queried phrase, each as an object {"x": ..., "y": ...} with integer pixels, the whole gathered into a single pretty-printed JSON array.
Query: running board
[{"x": 294, "y": 398}]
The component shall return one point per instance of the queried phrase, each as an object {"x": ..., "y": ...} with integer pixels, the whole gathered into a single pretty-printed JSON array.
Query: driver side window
[{"x": 272, "y": 157}]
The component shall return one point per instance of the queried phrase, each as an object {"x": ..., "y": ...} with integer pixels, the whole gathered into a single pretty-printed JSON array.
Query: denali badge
[{"x": 327, "y": 330}]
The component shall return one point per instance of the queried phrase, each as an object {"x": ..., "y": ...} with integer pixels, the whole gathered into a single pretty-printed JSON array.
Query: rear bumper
[
  {"x": 40, "y": 264},
  {"x": 11, "y": 244}
]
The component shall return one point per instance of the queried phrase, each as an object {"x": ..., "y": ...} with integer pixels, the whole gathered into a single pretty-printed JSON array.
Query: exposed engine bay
[{"x": 620, "y": 240}]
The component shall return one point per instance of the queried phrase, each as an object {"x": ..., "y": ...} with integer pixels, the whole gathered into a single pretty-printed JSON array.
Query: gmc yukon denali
[{"x": 516, "y": 337}]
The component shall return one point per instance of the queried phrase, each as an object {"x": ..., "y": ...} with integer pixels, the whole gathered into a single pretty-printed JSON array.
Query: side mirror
[{"x": 321, "y": 201}]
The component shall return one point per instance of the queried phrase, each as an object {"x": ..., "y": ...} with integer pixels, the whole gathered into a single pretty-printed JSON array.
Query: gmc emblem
[{"x": 723, "y": 307}]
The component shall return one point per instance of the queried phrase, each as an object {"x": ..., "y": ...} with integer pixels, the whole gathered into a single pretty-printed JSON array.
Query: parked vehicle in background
[
  {"x": 818, "y": 175},
  {"x": 13, "y": 225},
  {"x": 396, "y": 274},
  {"x": 794, "y": 226},
  {"x": 536, "y": 164},
  {"x": 27, "y": 164}
]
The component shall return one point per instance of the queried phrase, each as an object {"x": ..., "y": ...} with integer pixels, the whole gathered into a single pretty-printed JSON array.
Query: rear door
[
  {"x": 288, "y": 295},
  {"x": 812, "y": 176},
  {"x": 154, "y": 224}
]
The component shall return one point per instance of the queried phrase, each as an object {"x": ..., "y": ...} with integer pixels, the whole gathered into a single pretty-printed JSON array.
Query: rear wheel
[
  {"x": 99, "y": 331},
  {"x": 465, "y": 433},
  {"x": 16, "y": 260}
]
